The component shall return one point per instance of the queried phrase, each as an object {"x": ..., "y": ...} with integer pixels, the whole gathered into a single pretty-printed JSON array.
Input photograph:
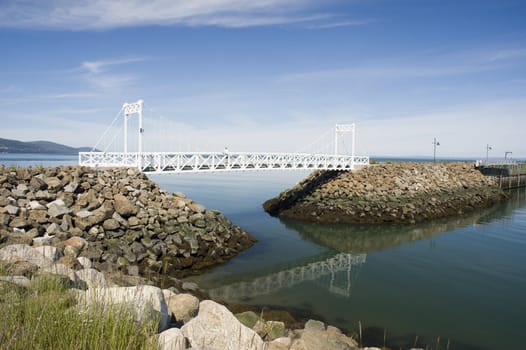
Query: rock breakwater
[
  {"x": 117, "y": 218},
  {"x": 388, "y": 193}
]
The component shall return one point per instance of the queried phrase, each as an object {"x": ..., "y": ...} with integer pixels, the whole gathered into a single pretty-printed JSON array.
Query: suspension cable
[{"x": 106, "y": 131}]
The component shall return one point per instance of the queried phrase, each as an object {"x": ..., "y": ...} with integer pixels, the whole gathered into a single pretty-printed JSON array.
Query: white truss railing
[
  {"x": 180, "y": 162},
  {"x": 341, "y": 262}
]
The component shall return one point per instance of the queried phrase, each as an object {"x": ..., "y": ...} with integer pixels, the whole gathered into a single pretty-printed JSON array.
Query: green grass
[{"x": 46, "y": 316}]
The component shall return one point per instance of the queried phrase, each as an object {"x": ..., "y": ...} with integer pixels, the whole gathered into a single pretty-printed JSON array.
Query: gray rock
[
  {"x": 61, "y": 270},
  {"x": 49, "y": 252},
  {"x": 37, "y": 183},
  {"x": 57, "y": 209},
  {"x": 133, "y": 270},
  {"x": 44, "y": 195},
  {"x": 19, "y": 192},
  {"x": 85, "y": 262},
  {"x": 35, "y": 205},
  {"x": 84, "y": 214},
  {"x": 171, "y": 339},
  {"x": 92, "y": 278},
  {"x": 282, "y": 343},
  {"x": 23, "y": 252},
  {"x": 191, "y": 286},
  {"x": 71, "y": 187},
  {"x": 21, "y": 281},
  {"x": 146, "y": 302},
  {"x": 11, "y": 209},
  {"x": 217, "y": 327},
  {"x": 314, "y": 324},
  {"x": 52, "y": 229},
  {"x": 42, "y": 241}
]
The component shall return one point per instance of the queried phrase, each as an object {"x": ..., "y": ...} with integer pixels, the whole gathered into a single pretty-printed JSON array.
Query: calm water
[{"x": 462, "y": 280}]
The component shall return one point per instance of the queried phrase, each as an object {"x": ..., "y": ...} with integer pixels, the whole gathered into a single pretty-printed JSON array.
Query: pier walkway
[{"x": 197, "y": 162}]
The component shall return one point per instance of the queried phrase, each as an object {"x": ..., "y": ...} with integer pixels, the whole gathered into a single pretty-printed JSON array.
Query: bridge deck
[{"x": 182, "y": 162}]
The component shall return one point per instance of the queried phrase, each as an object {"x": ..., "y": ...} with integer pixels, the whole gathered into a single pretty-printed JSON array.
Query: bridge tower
[
  {"x": 341, "y": 129},
  {"x": 130, "y": 109}
]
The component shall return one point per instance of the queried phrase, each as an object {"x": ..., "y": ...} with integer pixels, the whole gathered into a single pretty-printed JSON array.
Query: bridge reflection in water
[{"x": 336, "y": 273}]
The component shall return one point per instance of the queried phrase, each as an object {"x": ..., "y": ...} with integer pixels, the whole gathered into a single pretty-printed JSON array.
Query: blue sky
[{"x": 269, "y": 75}]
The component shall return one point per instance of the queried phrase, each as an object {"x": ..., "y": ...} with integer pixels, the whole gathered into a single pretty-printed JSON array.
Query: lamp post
[
  {"x": 435, "y": 144},
  {"x": 488, "y": 147}
]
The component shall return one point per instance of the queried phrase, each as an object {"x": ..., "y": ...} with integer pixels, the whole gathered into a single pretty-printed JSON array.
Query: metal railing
[{"x": 179, "y": 162}]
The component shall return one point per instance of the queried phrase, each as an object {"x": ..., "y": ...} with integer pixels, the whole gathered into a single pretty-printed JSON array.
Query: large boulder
[
  {"x": 216, "y": 327},
  {"x": 124, "y": 206},
  {"x": 183, "y": 306},
  {"x": 171, "y": 339},
  {"x": 57, "y": 209},
  {"x": 92, "y": 278},
  {"x": 145, "y": 302},
  {"x": 23, "y": 252},
  {"x": 315, "y": 337}
]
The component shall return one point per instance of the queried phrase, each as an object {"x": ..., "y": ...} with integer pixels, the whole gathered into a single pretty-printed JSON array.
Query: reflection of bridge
[
  {"x": 179, "y": 162},
  {"x": 340, "y": 263}
]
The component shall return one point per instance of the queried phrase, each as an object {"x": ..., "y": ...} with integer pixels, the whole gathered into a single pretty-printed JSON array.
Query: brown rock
[
  {"x": 124, "y": 206},
  {"x": 18, "y": 222},
  {"x": 110, "y": 224},
  {"x": 77, "y": 242}
]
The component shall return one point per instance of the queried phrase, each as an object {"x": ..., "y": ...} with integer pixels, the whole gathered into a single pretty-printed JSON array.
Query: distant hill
[{"x": 14, "y": 146}]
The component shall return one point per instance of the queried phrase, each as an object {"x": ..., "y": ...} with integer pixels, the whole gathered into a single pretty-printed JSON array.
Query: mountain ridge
[{"x": 40, "y": 146}]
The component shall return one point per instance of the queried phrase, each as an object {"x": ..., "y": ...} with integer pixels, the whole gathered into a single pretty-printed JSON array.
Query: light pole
[
  {"x": 435, "y": 144},
  {"x": 488, "y": 147}
]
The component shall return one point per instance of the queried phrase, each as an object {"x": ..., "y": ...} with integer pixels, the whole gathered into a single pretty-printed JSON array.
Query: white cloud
[
  {"x": 105, "y": 14},
  {"x": 98, "y": 73},
  {"x": 97, "y": 67},
  {"x": 337, "y": 24},
  {"x": 508, "y": 54}
]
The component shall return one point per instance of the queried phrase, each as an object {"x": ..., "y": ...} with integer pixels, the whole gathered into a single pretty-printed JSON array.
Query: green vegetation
[{"x": 45, "y": 315}]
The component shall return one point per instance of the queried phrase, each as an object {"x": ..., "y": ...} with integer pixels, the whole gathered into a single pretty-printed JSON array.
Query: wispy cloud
[
  {"x": 99, "y": 74},
  {"x": 96, "y": 67},
  {"x": 105, "y": 14},
  {"x": 424, "y": 65},
  {"x": 508, "y": 54},
  {"x": 338, "y": 24}
]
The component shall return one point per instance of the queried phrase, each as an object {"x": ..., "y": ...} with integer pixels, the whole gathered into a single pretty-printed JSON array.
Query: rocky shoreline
[
  {"x": 117, "y": 218},
  {"x": 400, "y": 193}
]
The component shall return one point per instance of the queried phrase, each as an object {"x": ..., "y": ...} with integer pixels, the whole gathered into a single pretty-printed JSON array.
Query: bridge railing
[{"x": 177, "y": 162}]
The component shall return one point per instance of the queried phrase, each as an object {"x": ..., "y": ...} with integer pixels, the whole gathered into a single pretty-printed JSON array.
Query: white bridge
[
  {"x": 179, "y": 162},
  {"x": 340, "y": 263}
]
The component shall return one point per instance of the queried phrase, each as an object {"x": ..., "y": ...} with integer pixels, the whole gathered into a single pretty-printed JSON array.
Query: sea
[{"x": 458, "y": 283}]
